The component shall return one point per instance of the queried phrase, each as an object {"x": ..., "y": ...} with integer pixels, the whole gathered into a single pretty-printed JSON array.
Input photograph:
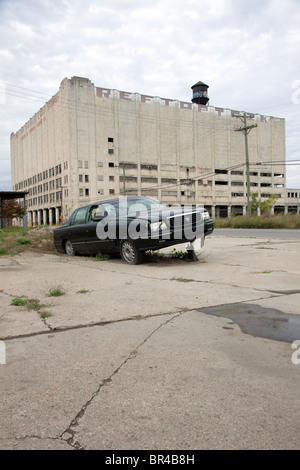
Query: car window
[
  {"x": 94, "y": 212},
  {"x": 79, "y": 216}
]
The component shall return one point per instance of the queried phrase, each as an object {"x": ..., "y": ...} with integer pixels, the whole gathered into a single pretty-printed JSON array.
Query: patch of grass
[
  {"x": 155, "y": 254},
  {"x": 102, "y": 257},
  {"x": 267, "y": 272},
  {"x": 19, "y": 301},
  {"x": 83, "y": 291},
  {"x": 181, "y": 279},
  {"x": 32, "y": 304},
  {"x": 56, "y": 291},
  {"x": 179, "y": 254},
  {"x": 16, "y": 240},
  {"x": 23, "y": 241},
  {"x": 45, "y": 314},
  {"x": 277, "y": 221}
]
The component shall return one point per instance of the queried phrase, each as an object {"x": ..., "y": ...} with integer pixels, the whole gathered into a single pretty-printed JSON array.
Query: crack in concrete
[
  {"x": 69, "y": 435},
  {"x": 53, "y": 330}
]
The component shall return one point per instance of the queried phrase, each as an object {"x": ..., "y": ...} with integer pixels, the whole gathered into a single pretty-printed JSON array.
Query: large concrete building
[{"x": 90, "y": 143}]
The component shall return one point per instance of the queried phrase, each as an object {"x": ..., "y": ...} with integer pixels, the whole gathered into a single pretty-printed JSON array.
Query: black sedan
[{"x": 131, "y": 226}]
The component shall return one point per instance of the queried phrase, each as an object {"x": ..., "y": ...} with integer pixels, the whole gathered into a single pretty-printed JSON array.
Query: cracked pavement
[{"x": 132, "y": 358}]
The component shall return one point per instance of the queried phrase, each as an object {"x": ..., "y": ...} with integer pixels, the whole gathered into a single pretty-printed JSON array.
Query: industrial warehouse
[{"x": 88, "y": 144}]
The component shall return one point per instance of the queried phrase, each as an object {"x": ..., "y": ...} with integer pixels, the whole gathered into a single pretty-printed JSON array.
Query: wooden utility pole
[{"x": 246, "y": 129}]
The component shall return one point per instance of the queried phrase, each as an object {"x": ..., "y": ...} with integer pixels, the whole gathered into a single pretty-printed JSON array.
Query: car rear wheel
[
  {"x": 129, "y": 252},
  {"x": 69, "y": 248}
]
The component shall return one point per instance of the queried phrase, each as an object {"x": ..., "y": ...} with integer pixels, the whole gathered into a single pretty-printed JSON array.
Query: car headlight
[
  {"x": 157, "y": 226},
  {"x": 205, "y": 215}
]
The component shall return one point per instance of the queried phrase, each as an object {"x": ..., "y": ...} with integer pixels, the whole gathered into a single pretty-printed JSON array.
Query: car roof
[{"x": 107, "y": 201}]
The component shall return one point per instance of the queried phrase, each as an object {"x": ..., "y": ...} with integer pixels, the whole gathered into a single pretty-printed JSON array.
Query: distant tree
[
  {"x": 255, "y": 203},
  {"x": 12, "y": 209},
  {"x": 265, "y": 205}
]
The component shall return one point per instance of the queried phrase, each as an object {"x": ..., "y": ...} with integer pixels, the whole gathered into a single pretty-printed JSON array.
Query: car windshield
[{"x": 125, "y": 207}]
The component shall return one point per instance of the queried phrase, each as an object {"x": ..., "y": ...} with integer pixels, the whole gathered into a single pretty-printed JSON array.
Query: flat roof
[{"x": 12, "y": 194}]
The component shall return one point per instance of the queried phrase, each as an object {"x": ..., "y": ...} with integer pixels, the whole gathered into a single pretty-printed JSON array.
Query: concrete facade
[{"x": 89, "y": 143}]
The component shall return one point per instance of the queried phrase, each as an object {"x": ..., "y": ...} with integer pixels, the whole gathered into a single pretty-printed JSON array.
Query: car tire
[
  {"x": 129, "y": 252},
  {"x": 69, "y": 248}
]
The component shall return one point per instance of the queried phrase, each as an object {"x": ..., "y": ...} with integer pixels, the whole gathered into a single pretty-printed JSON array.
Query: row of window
[
  {"x": 54, "y": 171},
  {"x": 252, "y": 173},
  {"x": 45, "y": 199},
  {"x": 241, "y": 183}
]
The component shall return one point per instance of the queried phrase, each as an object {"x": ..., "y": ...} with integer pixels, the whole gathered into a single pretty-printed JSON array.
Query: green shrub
[
  {"x": 19, "y": 301},
  {"x": 23, "y": 241},
  {"x": 56, "y": 291}
]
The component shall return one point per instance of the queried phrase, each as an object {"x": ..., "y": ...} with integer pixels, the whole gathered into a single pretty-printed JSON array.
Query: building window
[
  {"x": 221, "y": 183},
  {"x": 86, "y": 178},
  {"x": 110, "y": 139},
  {"x": 87, "y": 191},
  {"x": 221, "y": 172},
  {"x": 86, "y": 164},
  {"x": 149, "y": 166},
  {"x": 111, "y": 191},
  {"x": 110, "y": 151},
  {"x": 111, "y": 164},
  {"x": 111, "y": 178},
  {"x": 80, "y": 177}
]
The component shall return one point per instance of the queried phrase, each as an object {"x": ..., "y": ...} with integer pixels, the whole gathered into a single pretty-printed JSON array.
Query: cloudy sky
[{"x": 247, "y": 51}]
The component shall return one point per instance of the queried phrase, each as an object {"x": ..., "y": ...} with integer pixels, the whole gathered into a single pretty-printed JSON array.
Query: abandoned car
[{"x": 131, "y": 226}]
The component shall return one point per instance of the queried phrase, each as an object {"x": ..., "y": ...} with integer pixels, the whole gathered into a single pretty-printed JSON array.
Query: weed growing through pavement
[
  {"x": 19, "y": 301},
  {"x": 31, "y": 304},
  {"x": 102, "y": 257},
  {"x": 56, "y": 291}
]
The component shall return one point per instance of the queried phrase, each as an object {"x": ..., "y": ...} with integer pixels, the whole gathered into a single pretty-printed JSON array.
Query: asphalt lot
[{"x": 168, "y": 355}]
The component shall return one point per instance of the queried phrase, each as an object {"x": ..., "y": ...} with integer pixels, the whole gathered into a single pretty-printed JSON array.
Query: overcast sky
[{"x": 247, "y": 51}]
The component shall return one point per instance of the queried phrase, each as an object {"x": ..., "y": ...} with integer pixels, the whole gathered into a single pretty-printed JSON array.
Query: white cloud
[{"x": 246, "y": 51}]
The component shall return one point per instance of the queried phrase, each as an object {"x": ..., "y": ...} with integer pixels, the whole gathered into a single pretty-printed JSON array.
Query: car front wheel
[
  {"x": 69, "y": 248},
  {"x": 129, "y": 252}
]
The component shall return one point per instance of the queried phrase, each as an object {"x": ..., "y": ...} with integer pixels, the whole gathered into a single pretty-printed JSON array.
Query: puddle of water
[{"x": 259, "y": 321}]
